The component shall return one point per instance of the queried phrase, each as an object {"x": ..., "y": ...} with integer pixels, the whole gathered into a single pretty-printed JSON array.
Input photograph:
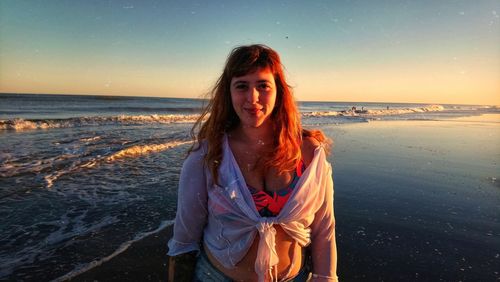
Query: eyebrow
[{"x": 246, "y": 81}]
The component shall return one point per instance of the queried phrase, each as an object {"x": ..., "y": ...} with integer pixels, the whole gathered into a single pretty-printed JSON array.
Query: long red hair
[{"x": 222, "y": 117}]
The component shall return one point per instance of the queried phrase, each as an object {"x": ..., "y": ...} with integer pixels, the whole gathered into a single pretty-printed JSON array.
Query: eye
[
  {"x": 264, "y": 86},
  {"x": 241, "y": 86}
]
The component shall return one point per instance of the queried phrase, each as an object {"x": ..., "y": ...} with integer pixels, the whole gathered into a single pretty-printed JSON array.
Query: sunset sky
[{"x": 381, "y": 51}]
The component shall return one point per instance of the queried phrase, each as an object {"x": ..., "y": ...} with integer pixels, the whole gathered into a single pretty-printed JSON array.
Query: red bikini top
[{"x": 270, "y": 203}]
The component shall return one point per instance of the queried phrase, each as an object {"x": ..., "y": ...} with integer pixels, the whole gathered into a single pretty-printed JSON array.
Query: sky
[{"x": 365, "y": 51}]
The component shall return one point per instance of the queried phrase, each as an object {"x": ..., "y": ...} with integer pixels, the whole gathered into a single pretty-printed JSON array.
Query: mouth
[{"x": 252, "y": 111}]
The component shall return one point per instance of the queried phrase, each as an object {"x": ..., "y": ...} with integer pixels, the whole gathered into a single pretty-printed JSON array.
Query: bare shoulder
[{"x": 309, "y": 145}]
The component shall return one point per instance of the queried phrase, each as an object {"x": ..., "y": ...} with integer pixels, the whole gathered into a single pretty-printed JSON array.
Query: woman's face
[{"x": 253, "y": 96}]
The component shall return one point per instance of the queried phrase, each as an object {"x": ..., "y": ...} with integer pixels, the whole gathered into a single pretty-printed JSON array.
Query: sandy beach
[
  {"x": 144, "y": 260},
  {"x": 418, "y": 200},
  {"x": 414, "y": 200}
]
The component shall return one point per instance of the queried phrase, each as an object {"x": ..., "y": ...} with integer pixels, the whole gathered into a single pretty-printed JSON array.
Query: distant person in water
[{"x": 256, "y": 190}]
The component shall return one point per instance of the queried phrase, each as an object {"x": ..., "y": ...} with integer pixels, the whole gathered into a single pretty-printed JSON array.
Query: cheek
[
  {"x": 236, "y": 100},
  {"x": 271, "y": 100}
]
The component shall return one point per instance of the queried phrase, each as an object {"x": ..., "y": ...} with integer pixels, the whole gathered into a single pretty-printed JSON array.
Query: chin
[{"x": 253, "y": 123}]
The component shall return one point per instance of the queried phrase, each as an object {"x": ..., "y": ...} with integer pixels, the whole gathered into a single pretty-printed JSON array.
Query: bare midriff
[{"x": 290, "y": 253}]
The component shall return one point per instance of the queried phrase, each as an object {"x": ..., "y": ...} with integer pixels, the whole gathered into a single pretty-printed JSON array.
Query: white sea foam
[
  {"x": 90, "y": 139},
  {"x": 63, "y": 233},
  {"x": 123, "y": 247},
  {"x": 430, "y": 108},
  {"x": 323, "y": 114},
  {"x": 26, "y": 124},
  {"x": 375, "y": 112},
  {"x": 21, "y": 124}
]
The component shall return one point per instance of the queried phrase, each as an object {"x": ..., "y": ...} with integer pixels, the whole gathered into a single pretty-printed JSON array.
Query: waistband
[{"x": 206, "y": 271}]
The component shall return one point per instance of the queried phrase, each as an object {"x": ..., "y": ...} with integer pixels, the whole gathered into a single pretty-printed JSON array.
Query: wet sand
[
  {"x": 418, "y": 200},
  {"x": 144, "y": 260}
]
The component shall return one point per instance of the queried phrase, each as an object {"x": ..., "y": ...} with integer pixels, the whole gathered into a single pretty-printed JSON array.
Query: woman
[{"x": 256, "y": 189}]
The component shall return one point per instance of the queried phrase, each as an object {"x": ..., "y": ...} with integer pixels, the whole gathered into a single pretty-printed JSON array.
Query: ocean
[{"x": 83, "y": 177}]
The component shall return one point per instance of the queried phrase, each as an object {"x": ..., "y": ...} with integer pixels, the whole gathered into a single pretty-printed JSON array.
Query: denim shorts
[{"x": 206, "y": 271}]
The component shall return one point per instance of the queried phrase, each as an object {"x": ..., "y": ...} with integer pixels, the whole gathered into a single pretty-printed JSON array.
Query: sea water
[{"x": 81, "y": 177}]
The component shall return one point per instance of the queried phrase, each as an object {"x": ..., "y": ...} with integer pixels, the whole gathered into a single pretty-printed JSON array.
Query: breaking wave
[
  {"x": 131, "y": 152},
  {"x": 378, "y": 112},
  {"x": 29, "y": 124},
  {"x": 19, "y": 166},
  {"x": 139, "y": 150}
]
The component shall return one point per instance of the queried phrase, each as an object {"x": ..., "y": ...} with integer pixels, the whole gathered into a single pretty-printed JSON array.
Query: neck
[{"x": 262, "y": 135}]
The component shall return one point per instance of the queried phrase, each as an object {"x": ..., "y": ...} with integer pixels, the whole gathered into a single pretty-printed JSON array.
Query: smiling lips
[{"x": 252, "y": 111}]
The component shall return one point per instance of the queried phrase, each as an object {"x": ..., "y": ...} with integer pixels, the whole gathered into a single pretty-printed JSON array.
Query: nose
[{"x": 253, "y": 95}]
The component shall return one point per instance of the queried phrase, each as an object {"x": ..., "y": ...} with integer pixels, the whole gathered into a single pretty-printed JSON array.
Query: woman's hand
[{"x": 181, "y": 267}]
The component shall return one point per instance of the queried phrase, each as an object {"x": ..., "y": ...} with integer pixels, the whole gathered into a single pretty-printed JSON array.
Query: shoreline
[{"x": 144, "y": 260}]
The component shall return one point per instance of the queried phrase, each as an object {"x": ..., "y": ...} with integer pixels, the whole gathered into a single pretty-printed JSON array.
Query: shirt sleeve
[
  {"x": 191, "y": 213},
  {"x": 323, "y": 245}
]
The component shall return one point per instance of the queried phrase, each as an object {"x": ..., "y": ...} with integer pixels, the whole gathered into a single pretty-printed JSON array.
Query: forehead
[{"x": 256, "y": 75}]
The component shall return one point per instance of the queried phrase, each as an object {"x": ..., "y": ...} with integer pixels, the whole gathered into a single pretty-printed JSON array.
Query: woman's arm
[
  {"x": 323, "y": 245},
  {"x": 190, "y": 218}
]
